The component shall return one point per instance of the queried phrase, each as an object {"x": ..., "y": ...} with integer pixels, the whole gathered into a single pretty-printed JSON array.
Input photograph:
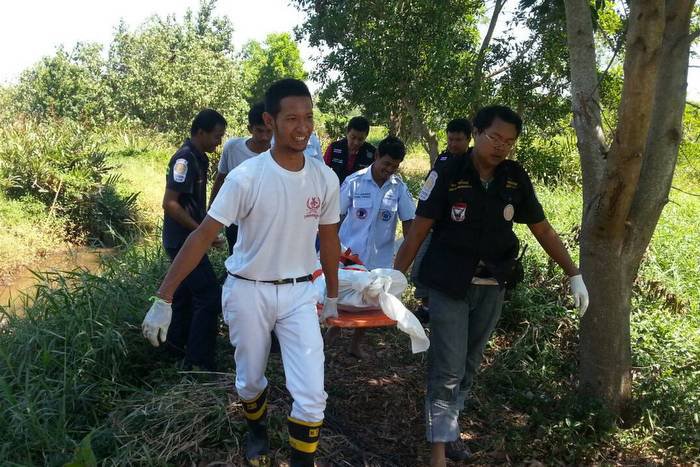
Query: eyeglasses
[{"x": 497, "y": 142}]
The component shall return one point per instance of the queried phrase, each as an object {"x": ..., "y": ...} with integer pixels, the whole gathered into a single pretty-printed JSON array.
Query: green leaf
[{"x": 83, "y": 456}]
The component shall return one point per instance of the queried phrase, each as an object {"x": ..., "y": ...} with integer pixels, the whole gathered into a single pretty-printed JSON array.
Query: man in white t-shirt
[
  {"x": 313, "y": 147},
  {"x": 238, "y": 150},
  {"x": 372, "y": 201},
  {"x": 279, "y": 200}
]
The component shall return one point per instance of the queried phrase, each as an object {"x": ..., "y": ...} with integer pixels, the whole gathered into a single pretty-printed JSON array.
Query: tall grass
[{"x": 72, "y": 357}]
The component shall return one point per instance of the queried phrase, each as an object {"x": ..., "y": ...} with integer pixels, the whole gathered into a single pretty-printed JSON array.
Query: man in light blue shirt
[{"x": 372, "y": 201}]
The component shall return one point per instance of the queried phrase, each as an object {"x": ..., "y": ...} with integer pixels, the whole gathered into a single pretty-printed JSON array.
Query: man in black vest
[
  {"x": 351, "y": 153},
  {"x": 459, "y": 134},
  {"x": 472, "y": 202},
  {"x": 196, "y": 304}
]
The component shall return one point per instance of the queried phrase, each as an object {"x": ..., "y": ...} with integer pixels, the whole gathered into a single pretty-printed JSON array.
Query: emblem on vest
[
  {"x": 312, "y": 205},
  {"x": 361, "y": 213},
  {"x": 180, "y": 170},
  {"x": 458, "y": 212},
  {"x": 385, "y": 215},
  {"x": 508, "y": 212}
]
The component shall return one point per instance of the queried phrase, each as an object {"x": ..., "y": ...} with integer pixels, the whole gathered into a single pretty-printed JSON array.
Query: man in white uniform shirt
[
  {"x": 372, "y": 201},
  {"x": 279, "y": 200},
  {"x": 238, "y": 150}
]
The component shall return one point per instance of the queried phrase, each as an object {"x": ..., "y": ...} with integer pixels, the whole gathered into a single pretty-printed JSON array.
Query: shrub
[{"x": 59, "y": 163}]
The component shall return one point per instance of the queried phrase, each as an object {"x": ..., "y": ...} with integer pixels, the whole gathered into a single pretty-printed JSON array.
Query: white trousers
[{"x": 251, "y": 311}]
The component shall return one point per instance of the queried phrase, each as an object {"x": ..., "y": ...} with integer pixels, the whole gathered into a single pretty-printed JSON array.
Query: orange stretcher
[{"x": 353, "y": 317}]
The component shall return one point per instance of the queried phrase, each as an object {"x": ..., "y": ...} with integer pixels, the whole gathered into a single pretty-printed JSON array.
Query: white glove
[
  {"x": 580, "y": 293},
  {"x": 157, "y": 321},
  {"x": 330, "y": 309}
]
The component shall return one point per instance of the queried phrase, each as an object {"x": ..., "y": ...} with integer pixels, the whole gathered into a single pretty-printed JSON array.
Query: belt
[{"x": 290, "y": 280}]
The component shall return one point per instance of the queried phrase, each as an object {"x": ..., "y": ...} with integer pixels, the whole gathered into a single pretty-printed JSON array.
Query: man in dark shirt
[
  {"x": 197, "y": 301},
  {"x": 459, "y": 134},
  {"x": 351, "y": 153},
  {"x": 472, "y": 202}
]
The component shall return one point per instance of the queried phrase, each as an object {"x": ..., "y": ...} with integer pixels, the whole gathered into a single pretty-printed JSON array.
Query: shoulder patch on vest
[
  {"x": 428, "y": 186},
  {"x": 180, "y": 170}
]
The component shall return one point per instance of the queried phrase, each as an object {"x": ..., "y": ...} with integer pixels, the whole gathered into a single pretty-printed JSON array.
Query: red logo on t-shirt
[{"x": 312, "y": 206}]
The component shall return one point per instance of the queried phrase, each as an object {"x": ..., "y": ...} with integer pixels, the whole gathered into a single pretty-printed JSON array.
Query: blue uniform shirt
[
  {"x": 187, "y": 174},
  {"x": 371, "y": 211}
]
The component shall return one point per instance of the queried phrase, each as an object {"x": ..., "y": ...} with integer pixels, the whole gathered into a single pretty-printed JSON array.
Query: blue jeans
[
  {"x": 196, "y": 310},
  {"x": 459, "y": 332}
]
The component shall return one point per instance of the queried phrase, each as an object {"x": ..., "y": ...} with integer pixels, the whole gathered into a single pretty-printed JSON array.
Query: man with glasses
[{"x": 471, "y": 203}]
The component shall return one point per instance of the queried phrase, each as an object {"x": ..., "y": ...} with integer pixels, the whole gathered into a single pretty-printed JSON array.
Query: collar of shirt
[
  {"x": 469, "y": 167},
  {"x": 195, "y": 151},
  {"x": 367, "y": 176}
]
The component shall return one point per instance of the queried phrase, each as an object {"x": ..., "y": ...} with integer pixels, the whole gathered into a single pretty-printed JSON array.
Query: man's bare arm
[
  {"x": 330, "y": 253},
  {"x": 416, "y": 234},
  {"x": 218, "y": 182},
  {"x": 553, "y": 246},
  {"x": 191, "y": 253}
]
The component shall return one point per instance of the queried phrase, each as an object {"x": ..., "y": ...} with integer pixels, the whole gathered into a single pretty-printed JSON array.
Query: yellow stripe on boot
[
  {"x": 304, "y": 435},
  {"x": 254, "y": 409}
]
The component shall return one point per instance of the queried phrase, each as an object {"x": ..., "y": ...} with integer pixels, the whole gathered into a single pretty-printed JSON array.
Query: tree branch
[
  {"x": 686, "y": 192},
  {"x": 489, "y": 33},
  {"x": 481, "y": 56}
]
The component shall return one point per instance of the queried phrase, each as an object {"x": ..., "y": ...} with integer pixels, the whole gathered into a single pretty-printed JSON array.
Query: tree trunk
[
  {"x": 665, "y": 135},
  {"x": 623, "y": 202},
  {"x": 430, "y": 144},
  {"x": 605, "y": 330},
  {"x": 420, "y": 129},
  {"x": 585, "y": 99}
]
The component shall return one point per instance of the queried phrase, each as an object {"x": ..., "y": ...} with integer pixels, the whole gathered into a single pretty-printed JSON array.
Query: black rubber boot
[
  {"x": 303, "y": 441},
  {"x": 257, "y": 446}
]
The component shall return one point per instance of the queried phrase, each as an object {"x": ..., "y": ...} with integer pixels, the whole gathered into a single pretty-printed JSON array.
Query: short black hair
[
  {"x": 281, "y": 89},
  {"x": 206, "y": 120},
  {"x": 359, "y": 123},
  {"x": 486, "y": 115},
  {"x": 255, "y": 114},
  {"x": 460, "y": 125},
  {"x": 393, "y": 147}
]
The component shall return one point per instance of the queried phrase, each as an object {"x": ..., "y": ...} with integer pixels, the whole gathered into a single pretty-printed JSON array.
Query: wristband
[{"x": 159, "y": 296}]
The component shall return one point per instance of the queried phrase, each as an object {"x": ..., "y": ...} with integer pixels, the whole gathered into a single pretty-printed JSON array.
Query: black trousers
[
  {"x": 196, "y": 310},
  {"x": 231, "y": 236}
]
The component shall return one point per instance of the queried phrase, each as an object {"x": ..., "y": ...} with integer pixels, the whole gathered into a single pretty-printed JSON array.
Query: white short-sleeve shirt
[
  {"x": 372, "y": 212},
  {"x": 278, "y": 213},
  {"x": 234, "y": 153}
]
